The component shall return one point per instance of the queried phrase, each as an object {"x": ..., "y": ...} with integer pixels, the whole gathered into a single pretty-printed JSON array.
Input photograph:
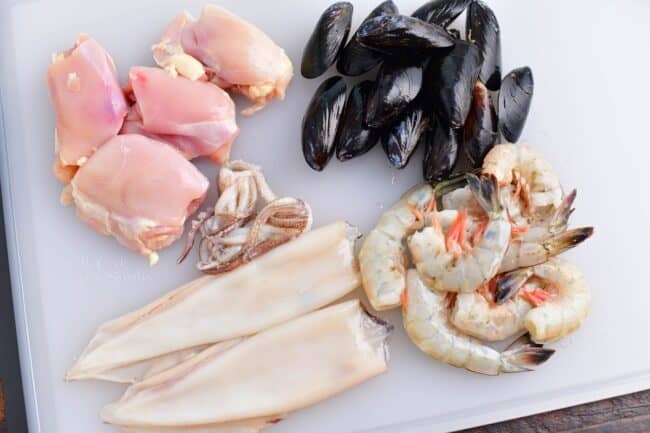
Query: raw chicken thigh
[
  {"x": 138, "y": 190},
  {"x": 225, "y": 49},
  {"x": 198, "y": 118},
  {"x": 88, "y": 102}
]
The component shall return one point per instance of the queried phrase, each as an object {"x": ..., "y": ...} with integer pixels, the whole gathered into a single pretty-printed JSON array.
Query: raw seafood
[
  {"x": 482, "y": 29},
  {"x": 402, "y": 138},
  {"x": 480, "y": 130},
  {"x": 227, "y": 50},
  {"x": 446, "y": 261},
  {"x": 251, "y": 425},
  {"x": 88, "y": 103},
  {"x": 400, "y": 33},
  {"x": 440, "y": 152},
  {"x": 285, "y": 368},
  {"x": 327, "y": 40},
  {"x": 515, "y": 98},
  {"x": 300, "y": 276},
  {"x": 441, "y": 12},
  {"x": 355, "y": 59},
  {"x": 234, "y": 231},
  {"x": 321, "y": 121},
  {"x": 382, "y": 257},
  {"x": 561, "y": 307},
  {"x": 426, "y": 321},
  {"x": 198, "y": 118},
  {"x": 397, "y": 86},
  {"x": 117, "y": 192},
  {"x": 354, "y": 137},
  {"x": 451, "y": 78}
]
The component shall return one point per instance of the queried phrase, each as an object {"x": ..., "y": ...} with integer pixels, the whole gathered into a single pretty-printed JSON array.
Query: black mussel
[
  {"x": 480, "y": 130},
  {"x": 482, "y": 29},
  {"x": 402, "y": 138},
  {"x": 441, "y": 12},
  {"x": 455, "y": 33},
  {"x": 397, "y": 85},
  {"x": 397, "y": 33},
  {"x": 327, "y": 40},
  {"x": 450, "y": 80},
  {"x": 321, "y": 122},
  {"x": 356, "y": 59},
  {"x": 354, "y": 138},
  {"x": 514, "y": 102},
  {"x": 440, "y": 151}
]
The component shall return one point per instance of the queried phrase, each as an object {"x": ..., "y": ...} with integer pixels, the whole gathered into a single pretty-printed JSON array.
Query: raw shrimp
[
  {"x": 441, "y": 260},
  {"x": 561, "y": 308},
  {"x": 426, "y": 320},
  {"x": 382, "y": 258},
  {"x": 537, "y": 234},
  {"x": 538, "y": 183}
]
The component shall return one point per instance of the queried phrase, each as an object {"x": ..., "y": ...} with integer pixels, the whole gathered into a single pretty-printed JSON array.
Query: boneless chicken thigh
[
  {"x": 225, "y": 49},
  {"x": 139, "y": 190},
  {"x": 88, "y": 102},
  {"x": 196, "y": 117}
]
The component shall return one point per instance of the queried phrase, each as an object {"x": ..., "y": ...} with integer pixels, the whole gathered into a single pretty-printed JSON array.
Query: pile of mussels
[{"x": 431, "y": 86}]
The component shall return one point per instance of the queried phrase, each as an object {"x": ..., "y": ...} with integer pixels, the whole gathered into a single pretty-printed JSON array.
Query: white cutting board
[{"x": 589, "y": 118}]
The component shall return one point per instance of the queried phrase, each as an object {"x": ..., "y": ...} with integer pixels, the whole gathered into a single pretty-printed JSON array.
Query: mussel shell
[
  {"x": 480, "y": 130},
  {"x": 402, "y": 138},
  {"x": 356, "y": 59},
  {"x": 397, "y": 85},
  {"x": 514, "y": 102},
  {"x": 450, "y": 80},
  {"x": 441, "y": 12},
  {"x": 400, "y": 33},
  {"x": 354, "y": 138},
  {"x": 455, "y": 33},
  {"x": 321, "y": 121},
  {"x": 440, "y": 151},
  {"x": 327, "y": 40},
  {"x": 482, "y": 29}
]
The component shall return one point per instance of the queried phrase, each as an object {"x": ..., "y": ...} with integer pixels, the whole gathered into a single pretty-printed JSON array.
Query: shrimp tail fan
[
  {"x": 566, "y": 240},
  {"x": 524, "y": 355},
  {"x": 485, "y": 190}
]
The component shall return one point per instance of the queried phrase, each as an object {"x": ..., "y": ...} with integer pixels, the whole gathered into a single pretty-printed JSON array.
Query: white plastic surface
[{"x": 589, "y": 118}]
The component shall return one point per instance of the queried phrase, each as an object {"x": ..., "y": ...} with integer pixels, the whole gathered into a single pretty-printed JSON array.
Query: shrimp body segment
[
  {"x": 382, "y": 258},
  {"x": 426, "y": 321},
  {"x": 448, "y": 269}
]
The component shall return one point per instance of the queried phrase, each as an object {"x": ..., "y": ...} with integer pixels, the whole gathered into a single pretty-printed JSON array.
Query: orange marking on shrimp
[
  {"x": 456, "y": 235},
  {"x": 536, "y": 296},
  {"x": 416, "y": 213},
  {"x": 480, "y": 231},
  {"x": 431, "y": 207},
  {"x": 404, "y": 299}
]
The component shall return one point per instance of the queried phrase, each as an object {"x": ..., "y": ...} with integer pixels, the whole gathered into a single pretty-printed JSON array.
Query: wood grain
[{"x": 626, "y": 414}]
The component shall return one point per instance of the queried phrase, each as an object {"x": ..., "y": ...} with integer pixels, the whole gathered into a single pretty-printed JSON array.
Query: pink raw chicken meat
[
  {"x": 139, "y": 190},
  {"x": 88, "y": 102},
  {"x": 198, "y": 118},
  {"x": 225, "y": 49}
]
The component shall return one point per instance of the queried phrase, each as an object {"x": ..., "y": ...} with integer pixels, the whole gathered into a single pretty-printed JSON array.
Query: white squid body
[
  {"x": 229, "y": 51},
  {"x": 204, "y": 127},
  {"x": 285, "y": 368},
  {"x": 295, "y": 278}
]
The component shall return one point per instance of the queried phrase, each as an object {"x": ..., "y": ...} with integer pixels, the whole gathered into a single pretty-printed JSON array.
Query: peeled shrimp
[
  {"x": 563, "y": 306},
  {"x": 382, "y": 258},
  {"x": 445, "y": 265},
  {"x": 300, "y": 276},
  {"x": 426, "y": 320},
  {"x": 540, "y": 185},
  {"x": 287, "y": 367}
]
